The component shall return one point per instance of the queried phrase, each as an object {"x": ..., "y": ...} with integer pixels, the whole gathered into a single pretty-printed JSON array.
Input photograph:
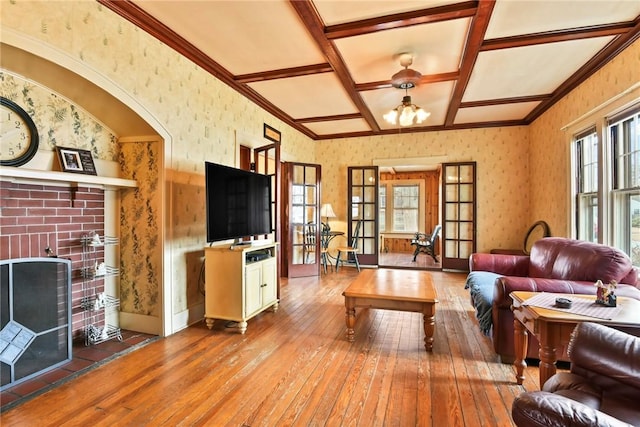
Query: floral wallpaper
[
  {"x": 501, "y": 154},
  {"x": 550, "y": 160},
  {"x": 59, "y": 122},
  {"x": 140, "y": 220}
]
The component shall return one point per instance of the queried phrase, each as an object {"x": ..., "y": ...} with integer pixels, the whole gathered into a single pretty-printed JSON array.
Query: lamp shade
[{"x": 327, "y": 211}]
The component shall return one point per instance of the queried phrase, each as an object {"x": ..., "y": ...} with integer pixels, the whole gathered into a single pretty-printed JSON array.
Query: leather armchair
[
  {"x": 558, "y": 265},
  {"x": 601, "y": 389}
]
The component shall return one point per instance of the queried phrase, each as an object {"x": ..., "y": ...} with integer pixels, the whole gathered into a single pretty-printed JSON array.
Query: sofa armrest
[
  {"x": 507, "y": 265},
  {"x": 542, "y": 409}
]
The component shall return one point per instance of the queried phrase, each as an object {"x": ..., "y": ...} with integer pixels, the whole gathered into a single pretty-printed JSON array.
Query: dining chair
[
  {"x": 352, "y": 249},
  {"x": 309, "y": 243}
]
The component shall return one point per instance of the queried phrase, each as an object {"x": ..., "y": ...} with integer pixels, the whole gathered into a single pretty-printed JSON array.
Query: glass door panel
[
  {"x": 363, "y": 206},
  {"x": 303, "y": 240},
  {"x": 459, "y": 214}
]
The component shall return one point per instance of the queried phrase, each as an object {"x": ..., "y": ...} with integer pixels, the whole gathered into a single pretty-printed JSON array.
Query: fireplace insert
[{"x": 35, "y": 314}]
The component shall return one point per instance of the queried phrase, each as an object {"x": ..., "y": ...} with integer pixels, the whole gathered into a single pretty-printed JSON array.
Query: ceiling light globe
[
  {"x": 406, "y": 118},
  {"x": 391, "y": 117},
  {"x": 421, "y": 115}
]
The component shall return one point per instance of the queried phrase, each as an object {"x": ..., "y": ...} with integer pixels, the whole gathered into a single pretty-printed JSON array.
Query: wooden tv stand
[{"x": 240, "y": 282}]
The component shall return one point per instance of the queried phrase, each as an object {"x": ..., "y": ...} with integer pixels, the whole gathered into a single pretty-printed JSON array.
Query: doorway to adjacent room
[{"x": 409, "y": 202}]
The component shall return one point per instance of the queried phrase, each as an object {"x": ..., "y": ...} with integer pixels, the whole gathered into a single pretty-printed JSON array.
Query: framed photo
[
  {"x": 271, "y": 134},
  {"x": 76, "y": 161}
]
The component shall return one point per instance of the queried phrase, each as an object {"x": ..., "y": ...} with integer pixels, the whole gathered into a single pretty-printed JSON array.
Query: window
[
  {"x": 382, "y": 197},
  {"x": 624, "y": 134},
  {"x": 606, "y": 163},
  {"x": 401, "y": 206},
  {"x": 406, "y": 200},
  {"x": 587, "y": 177}
]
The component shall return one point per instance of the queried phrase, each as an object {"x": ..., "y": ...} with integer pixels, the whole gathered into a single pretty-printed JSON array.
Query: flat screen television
[{"x": 238, "y": 203}]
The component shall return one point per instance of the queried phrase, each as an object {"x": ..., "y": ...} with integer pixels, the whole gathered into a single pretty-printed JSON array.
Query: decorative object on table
[
  {"x": 326, "y": 211},
  {"x": 605, "y": 293},
  {"x": 76, "y": 160},
  {"x": 19, "y": 135},
  {"x": 563, "y": 302}
]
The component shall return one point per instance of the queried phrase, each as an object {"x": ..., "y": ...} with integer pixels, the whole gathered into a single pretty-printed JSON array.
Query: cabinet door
[
  {"x": 269, "y": 281},
  {"x": 252, "y": 290}
]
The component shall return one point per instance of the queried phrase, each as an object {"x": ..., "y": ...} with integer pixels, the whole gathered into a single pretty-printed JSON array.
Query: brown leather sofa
[
  {"x": 601, "y": 389},
  {"x": 555, "y": 264}
]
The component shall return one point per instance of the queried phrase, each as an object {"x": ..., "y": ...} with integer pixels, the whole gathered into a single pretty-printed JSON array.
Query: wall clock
[{"x": 18, "y": 134}]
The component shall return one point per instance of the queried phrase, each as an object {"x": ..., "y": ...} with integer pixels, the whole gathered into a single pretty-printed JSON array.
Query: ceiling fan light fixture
[
  {"x": 406, "y": 79},
  {"x": 406, "y": 113}
]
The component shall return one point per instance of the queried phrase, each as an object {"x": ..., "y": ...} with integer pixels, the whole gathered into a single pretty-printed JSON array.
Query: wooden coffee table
[
  {"x": 388, "y": 289},
  {"x": 553, "y": 328}
]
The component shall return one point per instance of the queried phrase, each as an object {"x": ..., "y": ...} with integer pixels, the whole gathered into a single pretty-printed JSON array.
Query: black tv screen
[{"x": 238, "y": 203}]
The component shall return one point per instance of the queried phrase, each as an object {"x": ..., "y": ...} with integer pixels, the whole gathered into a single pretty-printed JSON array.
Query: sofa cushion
[
  {"x": 568, "y": 259},
  {"x": 481, "y": 285}
]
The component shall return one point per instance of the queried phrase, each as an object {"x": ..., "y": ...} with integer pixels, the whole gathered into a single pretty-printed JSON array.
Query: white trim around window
[{"x": 609, "y": 226}]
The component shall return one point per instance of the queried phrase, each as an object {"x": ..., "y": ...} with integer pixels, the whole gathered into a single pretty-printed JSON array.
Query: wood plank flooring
[
  {"x": 405, "y": 260},
  {"x": 295, "y": 367}
]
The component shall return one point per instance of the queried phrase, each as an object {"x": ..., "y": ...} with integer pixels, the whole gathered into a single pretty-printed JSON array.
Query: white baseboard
[
  {"x": 140, "y": 323},
  {"x": 188, "y": 317}
]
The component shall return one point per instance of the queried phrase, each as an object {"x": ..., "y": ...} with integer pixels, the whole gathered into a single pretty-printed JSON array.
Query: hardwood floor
[
  {"x": 296, "y": 367},
  {"x": 405, "y": 260}
]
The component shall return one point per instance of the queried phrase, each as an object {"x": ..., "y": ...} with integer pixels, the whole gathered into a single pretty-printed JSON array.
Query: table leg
[
  {"x": 429, "y": 325},
  {"x": 521, "y": 341},
  {"x": 350, "y": 317},
  {"x": 547, "y": 362}
]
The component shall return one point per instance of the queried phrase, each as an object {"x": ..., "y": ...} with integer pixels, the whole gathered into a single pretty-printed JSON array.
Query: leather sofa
[
  {"x": 602, "y": 387},
  {"x": 555, "y": 264}
]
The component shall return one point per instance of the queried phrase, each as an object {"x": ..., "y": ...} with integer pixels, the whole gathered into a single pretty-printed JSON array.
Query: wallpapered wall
[
  {"x": 502, "y": 156},
  {"x": 140, "y": 220},
  {"x": 550, "y": 159},
  {"x": 59, "y": 122}
]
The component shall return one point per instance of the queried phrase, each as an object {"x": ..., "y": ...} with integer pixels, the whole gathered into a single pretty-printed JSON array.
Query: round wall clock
[{"x": 18, "y": 134}]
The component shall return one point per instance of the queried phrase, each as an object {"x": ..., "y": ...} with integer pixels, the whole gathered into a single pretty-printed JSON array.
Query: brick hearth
[{"x": 37, "y": 219}]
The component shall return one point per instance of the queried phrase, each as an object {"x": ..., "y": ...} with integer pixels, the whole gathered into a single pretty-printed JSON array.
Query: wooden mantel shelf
[{"x": 64, "y": 178}]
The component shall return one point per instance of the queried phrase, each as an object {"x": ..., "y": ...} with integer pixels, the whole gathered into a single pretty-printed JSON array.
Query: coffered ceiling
[{"x": 325, "y": 67}]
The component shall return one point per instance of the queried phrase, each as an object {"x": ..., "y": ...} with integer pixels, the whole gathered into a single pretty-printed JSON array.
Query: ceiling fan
[{"x": 407, "y": 113}]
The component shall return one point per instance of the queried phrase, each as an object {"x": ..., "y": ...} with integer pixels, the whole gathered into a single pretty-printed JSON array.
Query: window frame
[
  {"x": 587, "y": 191},
  {"x": 389, "y": 207},
  {"x": 614, "y": 220}
]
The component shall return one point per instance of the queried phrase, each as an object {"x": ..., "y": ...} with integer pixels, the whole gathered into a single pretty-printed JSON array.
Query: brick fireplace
[{"x": 40, "y": 220}]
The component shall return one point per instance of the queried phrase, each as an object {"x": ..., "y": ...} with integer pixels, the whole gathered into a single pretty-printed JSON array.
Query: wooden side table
[{"x": 553, "y": 328}]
